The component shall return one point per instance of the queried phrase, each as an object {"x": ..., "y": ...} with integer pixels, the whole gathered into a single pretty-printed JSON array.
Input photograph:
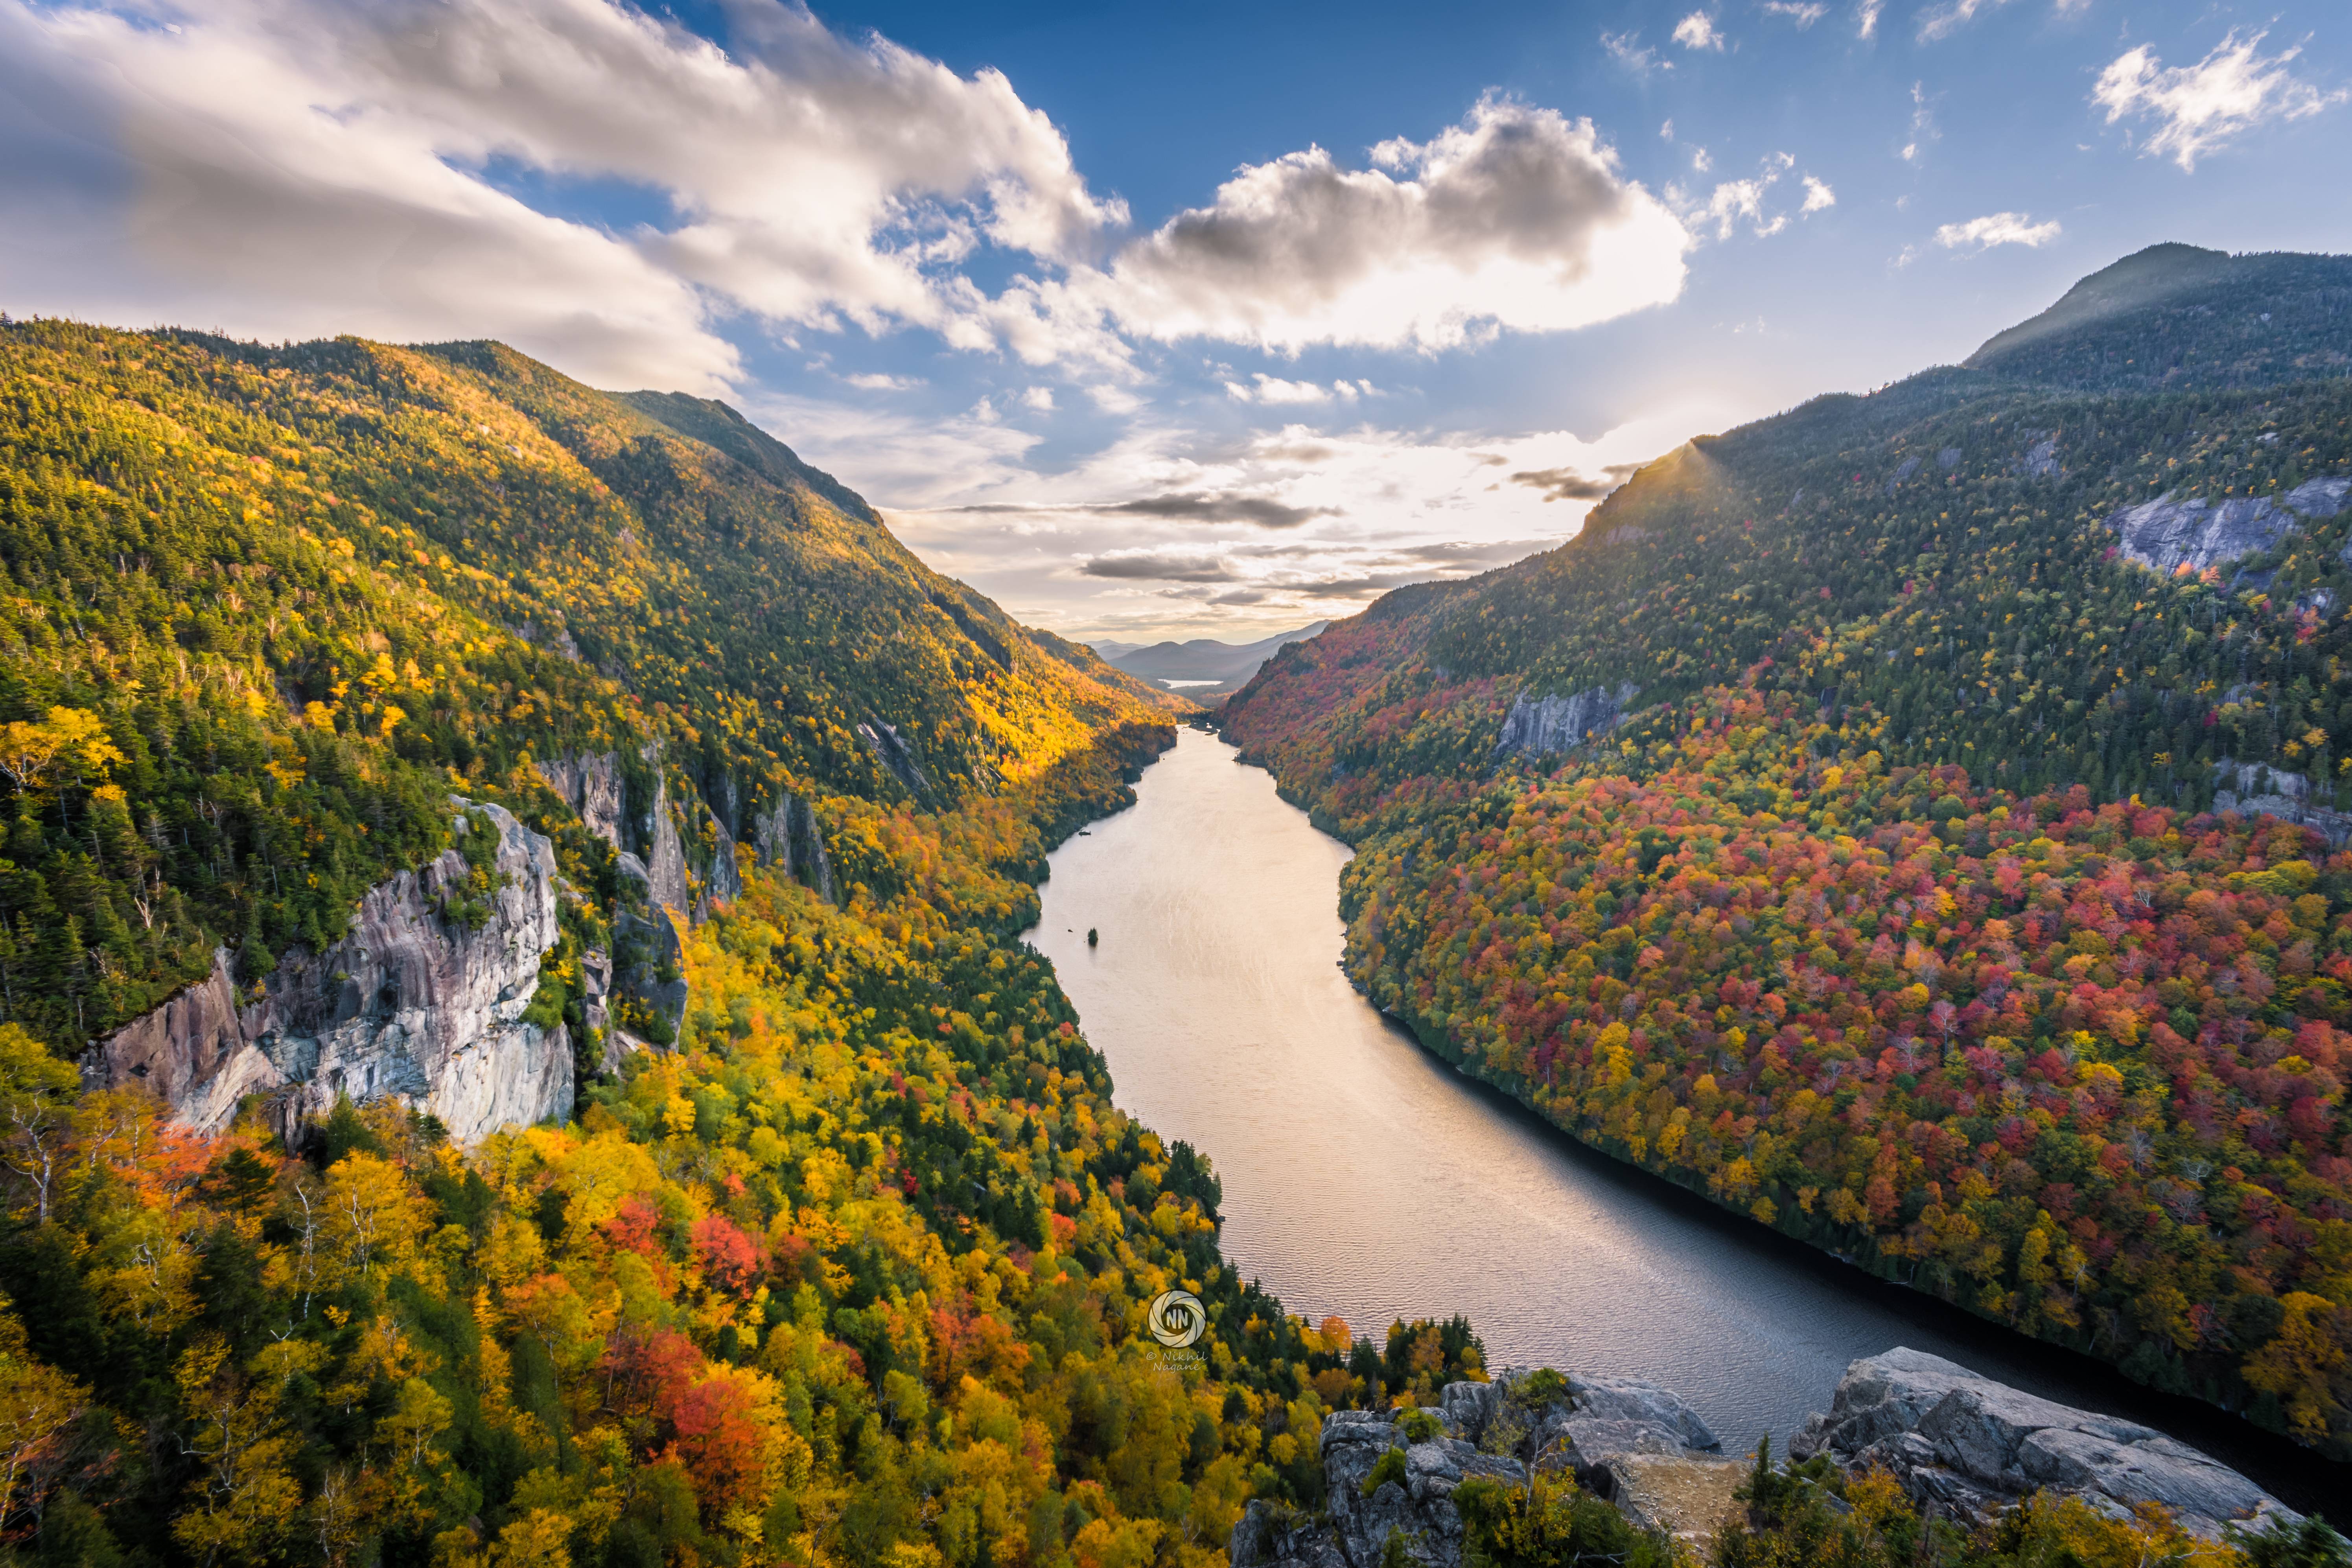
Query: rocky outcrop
[
  {"x": 2040, "y": 460},
  {"x": 1539, "y": 724},
  {"x": 665, "y": 866},
  {"x": 725, "y": 884},
  {"x": 2166, "y": 534},
  {"x": 413, "y": 1005},
  {"x": 592, "y": 787},
  {"x": 787, "y": 835},
  {"x": 896, "y": 756},
  {"x": 1968, "y": 1447},
  {"x": 2253, "y": 790},
  {"x": 1633, "y": 1442}
]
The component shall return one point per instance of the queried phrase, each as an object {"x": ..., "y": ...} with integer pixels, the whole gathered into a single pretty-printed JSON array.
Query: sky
[{"x": 1199, "y": 321}]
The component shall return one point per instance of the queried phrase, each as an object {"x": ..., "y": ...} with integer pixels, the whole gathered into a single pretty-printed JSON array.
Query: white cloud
[
  {"x": 2201, "y": 107},
  {"x": 873, "y": 381},
  {"x": 1167, "y": 534},
  {"x": 1040, "y": 398},
  {"x": 297, "y": 166},
  {"x": 1804, "y": 13},
  {"x": 1700, "y": 161},
  {"x": 1736, "y": 202},
  {"x": 1628, "y": 50},
  {"x": 1818, "y": 195},
  {"x": 1666, "y": 132},
  {"x": 1697, "y": 31},
  {"x": 1943, "y": 21},
  {"x": 1923, "y": 124},
  {"x": 1517, "y": 219},
  {"x": 1865, "y": 17},
  {"x": 1997, "y": 228}
]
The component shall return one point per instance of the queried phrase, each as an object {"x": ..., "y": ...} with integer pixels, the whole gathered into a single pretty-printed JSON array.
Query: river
[{"x": 1365, "y": 1177}]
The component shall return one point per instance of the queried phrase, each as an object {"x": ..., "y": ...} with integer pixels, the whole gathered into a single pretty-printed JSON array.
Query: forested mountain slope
[
  {"x": 1843, "y": 823},
  {"x": 857, "y": 1270}
]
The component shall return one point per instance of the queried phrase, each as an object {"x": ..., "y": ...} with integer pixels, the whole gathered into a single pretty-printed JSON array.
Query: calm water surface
[{"x": 1362, "y": 1176}]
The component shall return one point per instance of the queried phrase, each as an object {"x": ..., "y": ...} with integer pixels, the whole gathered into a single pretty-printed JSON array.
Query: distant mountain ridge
[{"x": 1224, "y": 665}]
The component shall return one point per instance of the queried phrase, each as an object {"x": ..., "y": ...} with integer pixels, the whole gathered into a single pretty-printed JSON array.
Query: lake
[{"x": 1365, "y": 1177}]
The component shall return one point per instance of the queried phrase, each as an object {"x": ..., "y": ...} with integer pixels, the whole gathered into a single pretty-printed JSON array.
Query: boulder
[{"x": 1968, "y": 1447}]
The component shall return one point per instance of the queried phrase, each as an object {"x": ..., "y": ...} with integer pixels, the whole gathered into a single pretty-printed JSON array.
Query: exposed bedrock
[
  {"x": 416, "y": 1004},
  {"x": 1962, "y": 1446}
]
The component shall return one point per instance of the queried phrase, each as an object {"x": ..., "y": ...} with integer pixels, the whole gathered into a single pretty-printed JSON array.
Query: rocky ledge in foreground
[
  {"x": 1962, "y": 1446},
  {"x": 1969, "y": 1447}
]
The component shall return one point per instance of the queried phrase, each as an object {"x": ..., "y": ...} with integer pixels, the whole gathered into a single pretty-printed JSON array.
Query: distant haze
[{"x": 1204, "y": 667}]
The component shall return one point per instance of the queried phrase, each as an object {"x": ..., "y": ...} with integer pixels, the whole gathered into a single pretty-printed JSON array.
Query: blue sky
[{"x": 1208, "y": 319}]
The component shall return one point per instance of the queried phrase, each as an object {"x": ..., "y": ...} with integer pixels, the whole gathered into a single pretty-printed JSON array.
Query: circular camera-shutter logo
[{"x": 1177, "y": 1319}]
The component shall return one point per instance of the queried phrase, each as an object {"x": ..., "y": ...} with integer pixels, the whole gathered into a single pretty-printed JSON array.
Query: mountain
[
  {"x": 514, "y": 1042},
  {"x": 1204, "y": 667},
  {"x": 1917, "y": 822}
]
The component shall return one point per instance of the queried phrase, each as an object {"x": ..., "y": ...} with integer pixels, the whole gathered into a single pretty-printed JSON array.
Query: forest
[
  {"x": 853, "y": 1265},
  {"x": 1884, "y": 897}
]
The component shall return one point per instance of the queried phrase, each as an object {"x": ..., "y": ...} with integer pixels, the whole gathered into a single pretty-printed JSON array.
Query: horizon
[{"x": 1157, "y": 329}]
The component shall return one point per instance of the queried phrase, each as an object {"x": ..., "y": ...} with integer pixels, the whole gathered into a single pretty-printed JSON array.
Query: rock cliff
[
  {"x": 787, "y": 836},
  {"x": 2165, "y": 534},
  {"x": 1963, "y": 1447},
  {"x": 1560, "y": 723},
  {"x": 412, "y": 1005},
  {"x": 1968, "y": 1447},
  {"x": 1633, "y": 1442}
]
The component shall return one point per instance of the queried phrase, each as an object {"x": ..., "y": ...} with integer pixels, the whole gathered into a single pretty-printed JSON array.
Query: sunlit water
[{"x": 1363, "y": 1176}]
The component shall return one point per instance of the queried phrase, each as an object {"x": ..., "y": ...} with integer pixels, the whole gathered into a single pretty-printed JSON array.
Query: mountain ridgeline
[
  {"x": 513, "y": 1042},
  {"x": 1918, "y": 821}
]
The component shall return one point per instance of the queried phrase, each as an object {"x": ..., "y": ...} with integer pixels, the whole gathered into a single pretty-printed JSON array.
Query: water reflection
[{"x": 1364, "y": 1177}]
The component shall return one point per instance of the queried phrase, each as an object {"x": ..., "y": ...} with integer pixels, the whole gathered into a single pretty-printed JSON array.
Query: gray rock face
[
  {"x": 1541, "y": 724},
  {"x": 2041, "y": 459},
  {"x": 726, "y": 877},
  {"x": 411, "y": 1006},
  {"x": 2319, "y": 497},
  {"x": 666, "y": 864},
  {"x": 2262, "y": 791},
  {"x": 896, "y": 756},
  {"x": 1421, "y": 1506},
  {"x": 592, "y": 787},
  {"x": 1968, "y": 1447},
  {"x": 787, "y": 835},
  {"x": 1618, "y": 1435},
  {"x": 2165, "y": 534}
]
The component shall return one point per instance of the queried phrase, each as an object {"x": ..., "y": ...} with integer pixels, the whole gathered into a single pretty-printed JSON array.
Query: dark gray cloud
[
  {"x": 1568, "y": 484},
  {"x": 1209, "y": 506},
  {"x": 1181, "y": 506},
  {"x": 1159, "y": 568}
]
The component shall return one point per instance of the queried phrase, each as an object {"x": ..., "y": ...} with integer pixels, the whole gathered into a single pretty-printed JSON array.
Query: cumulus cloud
[
  {"x": 2198, "y": 107},
  {"x": 1804, "y": 13},
  {"x": 1818, "y": 195},
  {"x": 1517, "y": 219},
  {"x": 294, "y": 166},
  {"x": 1039, "y": 398},
  {"x": 1697, "y": 31},
  {"x": 1997, "y": 228}
]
